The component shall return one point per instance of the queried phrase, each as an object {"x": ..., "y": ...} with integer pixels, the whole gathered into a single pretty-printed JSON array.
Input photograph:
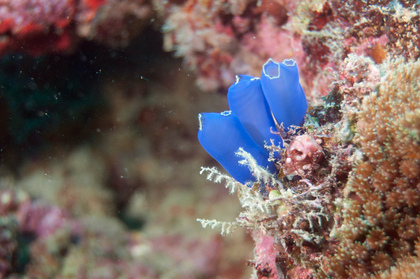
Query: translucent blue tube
[
  {"x": 253, "y": 103},
  {"x": 247, "y": 102},
  {"x": 221, "y": 135},
  {"x": 283, "y": 92}
]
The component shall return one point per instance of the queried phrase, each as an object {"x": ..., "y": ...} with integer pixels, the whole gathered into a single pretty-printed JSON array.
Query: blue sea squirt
[{"x": 256, "y": 105}]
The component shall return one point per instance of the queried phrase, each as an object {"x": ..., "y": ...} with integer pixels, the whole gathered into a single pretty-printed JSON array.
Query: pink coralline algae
[
  {"x": 219, "y": 39},
  {"x": 8, "y": 244},
  {"x": 33, "y": 217},
  {"x": 22, "y": 15},
  {"x": 301, "y": 154},
  {"x": 34, "y": 26},
  {"x": 112, "y": 22},
  {"x": 41, "y": 220},
  {"x": 266, "y": 256},
  {"x": 178, "y": 248},
  {"x": 38, "y": 27},
  {"x": 19, "y": 215}
]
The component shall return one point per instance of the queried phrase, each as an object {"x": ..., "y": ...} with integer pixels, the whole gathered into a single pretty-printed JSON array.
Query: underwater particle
[
  {"x": 284, "y": 94},
  {"x": 221, "y": 135},
  {"x": 246, "y": 100}
]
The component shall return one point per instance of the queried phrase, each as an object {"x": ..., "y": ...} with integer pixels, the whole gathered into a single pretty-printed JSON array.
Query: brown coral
[
  {"x": 408, "y": 267},
  {"x": 389, "y": 137}
]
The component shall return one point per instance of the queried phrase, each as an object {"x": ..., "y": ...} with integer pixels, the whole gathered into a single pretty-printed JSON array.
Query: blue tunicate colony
[{"x": 248, "y": 124}]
